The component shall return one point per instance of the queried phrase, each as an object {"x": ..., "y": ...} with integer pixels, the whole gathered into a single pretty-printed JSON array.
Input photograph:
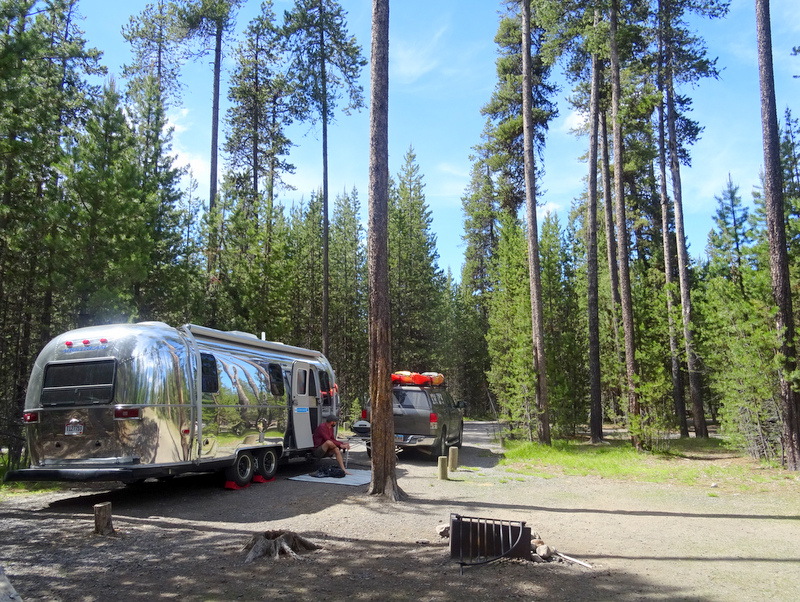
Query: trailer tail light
[
  {"x": 364, "y": 414},
  {"x": 30, "y": 417},
  {"x": 127, "y": 414}
]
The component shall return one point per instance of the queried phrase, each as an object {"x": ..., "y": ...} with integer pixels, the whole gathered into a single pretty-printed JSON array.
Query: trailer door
[{"x": 303, "y": 399}]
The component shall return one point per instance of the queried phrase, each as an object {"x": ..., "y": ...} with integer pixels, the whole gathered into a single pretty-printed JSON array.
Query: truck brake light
[
  {"x": 30, "y": 417},
  {"x": 364, "y": 414},
  {"x": 434, "y": 418},
  {"x": 127, "y": 414}
]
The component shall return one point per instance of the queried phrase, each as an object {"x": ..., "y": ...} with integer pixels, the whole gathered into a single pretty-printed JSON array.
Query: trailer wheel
[
  {"x": 241, "y": 472},
  {"x": 266, "y": 463}
]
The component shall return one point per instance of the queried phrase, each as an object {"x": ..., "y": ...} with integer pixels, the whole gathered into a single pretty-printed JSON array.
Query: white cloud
[
  {"x": 575, "y": 120},
  {"x": 547, "y": 209},
  {"x": 452, "y": 169},
  {"x": 413, "y": 58},
  {"x": 179, "y": 120}
]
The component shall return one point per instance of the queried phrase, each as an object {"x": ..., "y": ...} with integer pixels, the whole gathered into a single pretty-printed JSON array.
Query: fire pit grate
[{"x": 475, "y": 541}]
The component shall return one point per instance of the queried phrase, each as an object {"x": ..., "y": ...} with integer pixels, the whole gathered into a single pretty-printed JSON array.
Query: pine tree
[
  {"x": 416, "y": 285},
  {"x": 107, "y": 208},
  {"x": 206, "y": 20},
  {"x": 384, "y": 477},
  {"x": 470, "y": 303},
  {"x": 263, "y": 105},
  {"x": 511, "y": 376},
  {"x": 564, "y": 331},
  {"x": 348, "y": 348},
  {"x": 504, "y": 144},
  {"x": 171, "y": 287},
  {"x": 776, "y": 235},
  {"x": 305, "y": 280},
  {"x": 326, "y": 61},
  {"x": 43, "y": 53}
]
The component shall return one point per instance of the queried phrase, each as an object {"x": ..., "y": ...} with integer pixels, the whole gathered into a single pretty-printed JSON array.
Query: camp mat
[{"x": 357, "y": 477}]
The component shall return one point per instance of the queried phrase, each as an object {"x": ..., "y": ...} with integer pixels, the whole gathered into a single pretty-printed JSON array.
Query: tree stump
[
  {"x": 102, "y": 519},
  {"x": 275, "y": 543}
]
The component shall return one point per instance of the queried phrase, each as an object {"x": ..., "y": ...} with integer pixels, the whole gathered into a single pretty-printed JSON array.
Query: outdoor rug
[{"x": 359, "y": 477}]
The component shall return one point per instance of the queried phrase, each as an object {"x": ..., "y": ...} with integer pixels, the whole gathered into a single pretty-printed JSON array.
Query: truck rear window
[
  {"x": 79, "y": 383},
  {"x": 411, "y": 399}
]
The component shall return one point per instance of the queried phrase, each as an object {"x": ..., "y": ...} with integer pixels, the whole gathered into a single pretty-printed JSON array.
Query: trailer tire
[
  {"x": 267, "y": 463},
  {"x": 241, "y": 472}
]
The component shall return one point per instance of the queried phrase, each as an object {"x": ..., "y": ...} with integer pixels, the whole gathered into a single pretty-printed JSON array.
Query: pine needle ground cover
[{"x": 694, "y": 462}]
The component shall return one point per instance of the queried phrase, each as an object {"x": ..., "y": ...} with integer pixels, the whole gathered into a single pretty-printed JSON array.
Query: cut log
[
  {"x": 275, "y": 543},
  {"x": 102, "y": 519}
]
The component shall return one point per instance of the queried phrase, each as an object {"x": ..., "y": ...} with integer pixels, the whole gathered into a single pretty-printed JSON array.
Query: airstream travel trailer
[{"x": 127, "y": 402}]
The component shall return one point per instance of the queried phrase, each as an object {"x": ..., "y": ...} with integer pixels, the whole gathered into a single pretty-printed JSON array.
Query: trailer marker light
[
  {"x": 86, "y": 341},
  {"x": 126, "y": 414},
  {"x": 68, "y": 343},
  {"x": 30, "y": 417},
  {"x": 104, "y": 340}
]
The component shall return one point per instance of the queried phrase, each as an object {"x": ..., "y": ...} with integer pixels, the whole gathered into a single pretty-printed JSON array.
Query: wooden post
[
  {"x": 102, "y": 519},
  {"x": 452, "y": 458},
  {"x": 442, "y": 468}
]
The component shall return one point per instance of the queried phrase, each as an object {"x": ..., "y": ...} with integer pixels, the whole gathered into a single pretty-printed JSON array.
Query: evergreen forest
[{"x": 99, "y": 223}]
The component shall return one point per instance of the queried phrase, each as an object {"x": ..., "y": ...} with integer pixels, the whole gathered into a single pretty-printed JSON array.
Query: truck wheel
[
  {"x": 266, "y": 463},
  {"x": 242, "y": 471}
]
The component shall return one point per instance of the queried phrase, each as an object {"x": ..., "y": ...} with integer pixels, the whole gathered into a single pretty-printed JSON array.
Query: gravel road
[{"x": 183, "y": 539}]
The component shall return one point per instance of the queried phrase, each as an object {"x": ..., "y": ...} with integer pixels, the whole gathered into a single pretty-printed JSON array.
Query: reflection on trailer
[{"x": 130, "y": 401}]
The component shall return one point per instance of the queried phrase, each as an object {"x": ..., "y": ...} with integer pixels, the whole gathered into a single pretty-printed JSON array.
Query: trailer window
[
  {"x": 209, "y": 373},
  {"x": 276, "y": 380},
  {"x": 302, "y": 380},
  {"x": 312, "y": 384},
  {"x": 79, "y": 383},
  {"x": 325, "y": 387}
]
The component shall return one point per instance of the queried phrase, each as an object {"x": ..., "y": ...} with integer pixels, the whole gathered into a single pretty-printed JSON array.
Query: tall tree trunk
[
  {"x": 634, "y": 410},
  {"x": 384, "y": 477},
  {"x": 542, "y": 403},
  {"x": 679, "y": 400},
  {"x": 611, "y": 252},
  {"x": 776, "y": 233},
  {"x": 692, "y": 361},
  {"x": 325, "y": 237},
  {"x": 596, "y": 404},
  {"x": 212, "y": 192},
  {"x": 678, "y": 397}
]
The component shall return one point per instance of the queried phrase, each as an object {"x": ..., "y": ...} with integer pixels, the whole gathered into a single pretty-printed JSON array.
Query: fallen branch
[
  {"x": 575, "y": 560},
  {"x": 273, "y": 543}
]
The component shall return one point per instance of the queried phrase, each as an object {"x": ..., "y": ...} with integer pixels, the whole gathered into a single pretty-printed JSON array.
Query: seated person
[{"x": 326, "y": 445}]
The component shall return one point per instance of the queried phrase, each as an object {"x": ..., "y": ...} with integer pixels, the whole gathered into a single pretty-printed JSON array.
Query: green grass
[
  {"x": 14, "y": 488},
  {"x": 694, "y": 462}
]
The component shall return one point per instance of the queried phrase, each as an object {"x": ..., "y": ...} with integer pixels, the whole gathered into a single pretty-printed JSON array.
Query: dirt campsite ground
[{"x": 183, "y": 539}]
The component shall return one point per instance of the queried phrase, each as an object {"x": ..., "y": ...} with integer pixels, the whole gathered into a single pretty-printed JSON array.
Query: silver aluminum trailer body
[{"x": 132, "y": 401}]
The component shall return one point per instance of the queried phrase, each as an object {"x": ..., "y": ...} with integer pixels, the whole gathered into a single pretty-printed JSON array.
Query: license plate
[
  {"x": 73, "y": 429},
  {"x": 399, "y": 438}
]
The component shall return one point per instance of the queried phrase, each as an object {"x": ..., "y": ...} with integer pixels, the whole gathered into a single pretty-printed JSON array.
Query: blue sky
[{"x": 442, "y": 56}]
